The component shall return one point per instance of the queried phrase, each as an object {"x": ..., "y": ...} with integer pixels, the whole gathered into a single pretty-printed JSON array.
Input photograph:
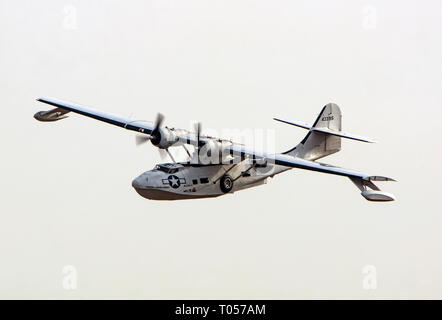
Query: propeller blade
[
  {"x": 158, "y": 121},
  {"x": 140, "y": 139},
  {"x": 163, "y": 154},
  {"x": 198, "y": 129},
  {"x": 198, "y": 132}
]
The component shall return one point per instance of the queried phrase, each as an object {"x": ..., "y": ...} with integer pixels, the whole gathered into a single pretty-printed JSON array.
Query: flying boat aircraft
[{"x": 217, "y": 166}]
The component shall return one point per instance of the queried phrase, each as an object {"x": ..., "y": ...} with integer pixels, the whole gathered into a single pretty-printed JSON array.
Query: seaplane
[{"x": 216, "y": 166}]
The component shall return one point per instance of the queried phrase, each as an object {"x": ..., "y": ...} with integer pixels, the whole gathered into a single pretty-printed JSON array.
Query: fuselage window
[{"x": 204, "y": 180}]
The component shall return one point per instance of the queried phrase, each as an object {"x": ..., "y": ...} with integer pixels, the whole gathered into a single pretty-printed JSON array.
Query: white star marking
[{"x": 174, "y": 181}]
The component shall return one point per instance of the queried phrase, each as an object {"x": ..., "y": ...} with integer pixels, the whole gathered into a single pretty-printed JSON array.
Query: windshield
[{"x": 165, "y": 169}]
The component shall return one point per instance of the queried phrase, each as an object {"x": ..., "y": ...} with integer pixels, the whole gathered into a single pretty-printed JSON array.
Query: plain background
[{"x": 66, "y": 195}]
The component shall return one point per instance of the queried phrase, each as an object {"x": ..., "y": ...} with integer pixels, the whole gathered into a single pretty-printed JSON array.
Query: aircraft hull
[{"x": 186, "y": 181}]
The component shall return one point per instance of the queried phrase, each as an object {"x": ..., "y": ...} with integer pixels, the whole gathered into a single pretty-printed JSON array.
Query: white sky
[{"x": 66, "y": 187}]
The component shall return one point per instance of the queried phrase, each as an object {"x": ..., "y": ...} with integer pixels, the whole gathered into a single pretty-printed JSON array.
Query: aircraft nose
[{"x": 136, "y": 183}]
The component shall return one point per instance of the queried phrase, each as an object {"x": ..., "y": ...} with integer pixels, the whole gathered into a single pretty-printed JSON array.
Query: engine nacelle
[
  {"x": 164, "y": 138},
  {"x": 214, "y": 152}
]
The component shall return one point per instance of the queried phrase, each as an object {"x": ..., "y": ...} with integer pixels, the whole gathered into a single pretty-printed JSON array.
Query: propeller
[
  {"x": 158, "y": 122},
  {"x": 163, "y": 154},
  {"x": 197, "y": 128},
  {"x": 155, "y": 137},
  {"x": 142, "y": 138},
  {"x": 155, "y": 134},
  {"x": 198, "y": 132}
]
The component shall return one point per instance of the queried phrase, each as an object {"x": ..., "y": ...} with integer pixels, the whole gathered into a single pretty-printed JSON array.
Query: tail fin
[
  {"x": 324, "y": 137},
  {"x": 317, "y": 143}
]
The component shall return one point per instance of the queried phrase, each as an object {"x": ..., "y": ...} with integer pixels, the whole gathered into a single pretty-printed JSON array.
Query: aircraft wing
[
  {"x": 63, "y": 107},
  {"x": 293, "y": 162}
]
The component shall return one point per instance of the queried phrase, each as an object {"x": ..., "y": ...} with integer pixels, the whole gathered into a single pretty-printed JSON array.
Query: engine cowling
[
  {"x": 214, "y": 152},
  {"x": 164, "y": 138}
]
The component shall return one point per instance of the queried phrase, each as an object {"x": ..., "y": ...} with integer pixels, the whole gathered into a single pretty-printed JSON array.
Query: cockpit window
[
  {"x": 161, "y": 168},
  {"x": 166, "y": 168}
]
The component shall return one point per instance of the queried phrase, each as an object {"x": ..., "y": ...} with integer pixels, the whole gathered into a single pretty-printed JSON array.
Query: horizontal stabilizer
[
  {"x": 298, "y": 124},
  {"x": 343, "y": 135},
  {"x": 327, "y": 131}
]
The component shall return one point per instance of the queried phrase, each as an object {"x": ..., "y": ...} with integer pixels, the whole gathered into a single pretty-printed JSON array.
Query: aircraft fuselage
[{"x": 175, "y": 181}]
